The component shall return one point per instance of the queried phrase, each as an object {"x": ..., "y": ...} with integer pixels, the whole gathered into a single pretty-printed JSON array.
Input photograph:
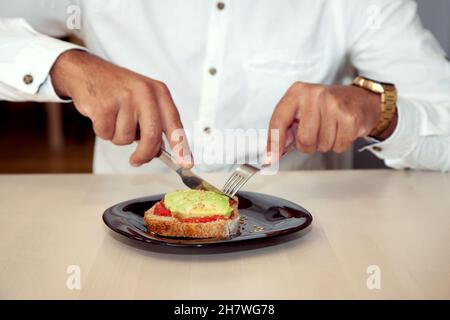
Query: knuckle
[
  {"x": 299, "y": 145},
  {"x": 151, "y": 134},
  {"x": 348, "y": 119},
  {"x": 333, "y": 108},
  {"x": 324, "y": 93},
  {"x": 305, "y": 138},
  {"x": 106, "y": 110},
  {"x": 328, "y": 109},
  {"x": 331, "y": 92},
  {"x": 103, "y": 130},
  {"x": 176, "y": 121},
  {"x": 161, "y": 87},
  {"x": 324, "y": 147},
  {"x": 329, "y": 95},
  {"x": 144, "y": 87},
  {"x": 124, "y": 96},
  {"x": 325, "y": 96},
  {"x": 302, "y": 147},
  {"x": 296, "y": 86},
  {"x": 124, "y": 139},
  {"x": 275, "y": 122},
  {"x": 316, "y": 90},
  {"x": 146, "y": 154}
]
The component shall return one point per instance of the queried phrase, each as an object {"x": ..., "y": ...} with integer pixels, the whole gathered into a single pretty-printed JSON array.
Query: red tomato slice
[{"x": 161, "y": 210}]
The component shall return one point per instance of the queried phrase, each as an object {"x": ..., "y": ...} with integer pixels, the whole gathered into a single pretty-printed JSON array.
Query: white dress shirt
[{"x": 228, "y": 65}]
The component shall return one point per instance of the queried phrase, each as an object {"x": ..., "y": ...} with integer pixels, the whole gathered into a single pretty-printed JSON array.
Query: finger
[
  {"x": 173, "y": 129},
  {"x": 292, "y": 132},
  {"x": 328, "y": 128},
  {"x": 307, "y": 134},
  {"x": 125, "y": 129},
  {"x": 347, "y": 132},
  {"x": 104, "y": 124},
  {"x": 284, "y": 114},
  {"x": 149, "y": 143},
  {"x": 83, "y": 108}
]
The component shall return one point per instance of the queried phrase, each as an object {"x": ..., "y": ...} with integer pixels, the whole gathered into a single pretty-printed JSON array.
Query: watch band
[{"x": 388, "y": 102}]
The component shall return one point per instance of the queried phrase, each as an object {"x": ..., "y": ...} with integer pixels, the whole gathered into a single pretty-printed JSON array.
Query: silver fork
[{"x": 243, "y": 173}]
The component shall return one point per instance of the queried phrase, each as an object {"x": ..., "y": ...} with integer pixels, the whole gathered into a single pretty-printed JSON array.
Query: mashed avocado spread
[{"x": 197, "y": 203}]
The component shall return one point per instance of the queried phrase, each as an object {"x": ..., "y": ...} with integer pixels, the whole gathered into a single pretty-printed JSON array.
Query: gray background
[{"x": 435, "y": 16}]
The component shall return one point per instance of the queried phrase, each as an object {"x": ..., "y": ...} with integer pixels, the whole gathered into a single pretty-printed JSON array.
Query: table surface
[{"x": 396, "y": 220}]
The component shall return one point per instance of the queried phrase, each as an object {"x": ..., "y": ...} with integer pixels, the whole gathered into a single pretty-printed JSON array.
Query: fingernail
[
  {"x": 267, "y": 159},
  {"x": 188, "y": 161},
  {"x": 134, "y": 163}
]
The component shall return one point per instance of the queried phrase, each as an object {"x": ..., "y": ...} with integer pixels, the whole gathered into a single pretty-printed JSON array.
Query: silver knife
[{"x": 191, "y": 180}]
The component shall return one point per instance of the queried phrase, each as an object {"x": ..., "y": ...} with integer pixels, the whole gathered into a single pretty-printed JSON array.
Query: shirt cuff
[
  {"x": 405, "y": 135},
  {"x": 47, "y": 92},
  {"x": 29, "y": 72}
]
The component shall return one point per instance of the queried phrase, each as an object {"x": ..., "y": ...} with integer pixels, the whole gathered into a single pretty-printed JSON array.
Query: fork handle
[{"x": 165, "y": 157}]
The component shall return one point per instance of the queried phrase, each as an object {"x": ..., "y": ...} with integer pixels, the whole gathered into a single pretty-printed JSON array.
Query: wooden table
[{"x": 398, "y": 221}]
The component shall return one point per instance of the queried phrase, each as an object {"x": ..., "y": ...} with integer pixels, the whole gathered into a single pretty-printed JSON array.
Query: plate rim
[{"x": 225, "y": 242}]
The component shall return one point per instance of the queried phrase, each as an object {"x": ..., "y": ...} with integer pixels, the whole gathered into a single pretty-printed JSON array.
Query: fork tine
[
  {"x": 247, "y": 172},
  {"x": 237, "y": 179},
  {"x": 239, "y": 185},
  {"x": 235, "y": 185},
  {"x": 231, "y": 185},
  {"x": 231, "y": 180},
  {"x": 227, "y": 184}
]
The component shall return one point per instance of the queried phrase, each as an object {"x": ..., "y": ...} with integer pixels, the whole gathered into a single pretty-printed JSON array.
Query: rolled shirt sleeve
[{"x": 26, "y": 58}]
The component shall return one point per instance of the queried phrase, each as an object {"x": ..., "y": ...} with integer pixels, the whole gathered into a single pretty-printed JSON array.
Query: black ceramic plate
[{"x": 262, "y": 217}]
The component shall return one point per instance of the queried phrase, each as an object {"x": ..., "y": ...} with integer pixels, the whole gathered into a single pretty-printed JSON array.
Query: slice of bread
[{"x": 174, "y": 227}]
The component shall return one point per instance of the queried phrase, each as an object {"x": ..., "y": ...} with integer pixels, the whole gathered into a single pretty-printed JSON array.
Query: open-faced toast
[{"x": 192, "y": 215}]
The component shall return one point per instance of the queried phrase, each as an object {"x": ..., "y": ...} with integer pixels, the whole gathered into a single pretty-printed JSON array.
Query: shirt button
[
  {"x": 207, "y": 130},
  {"x": 212, "y": 71},
  {"x": 377, "y": 149},
  {"x": 28, "y": 79},
  {"x": 220, "y": 5}
]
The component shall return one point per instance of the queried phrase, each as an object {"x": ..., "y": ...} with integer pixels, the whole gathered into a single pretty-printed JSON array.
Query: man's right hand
[{"x": 120, "y": 103}]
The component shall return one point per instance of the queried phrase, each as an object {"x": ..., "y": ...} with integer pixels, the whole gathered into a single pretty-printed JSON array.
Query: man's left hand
[{"x": 330, "y": 117}]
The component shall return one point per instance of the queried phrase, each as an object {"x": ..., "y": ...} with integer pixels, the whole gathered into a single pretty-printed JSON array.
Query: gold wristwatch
[{"x": 388, "y": 102}]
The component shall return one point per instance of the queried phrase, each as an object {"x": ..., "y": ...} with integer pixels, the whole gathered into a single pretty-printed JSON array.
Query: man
[{"x": 192, "y": 69}]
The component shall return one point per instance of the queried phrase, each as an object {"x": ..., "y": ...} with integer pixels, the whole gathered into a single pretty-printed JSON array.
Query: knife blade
[{"x": 190, "y": 179}]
